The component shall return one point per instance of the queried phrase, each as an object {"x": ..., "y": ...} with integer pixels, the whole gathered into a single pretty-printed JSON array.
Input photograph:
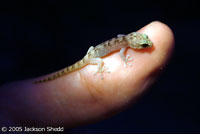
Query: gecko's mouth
[{"x": 145, "y": 45}]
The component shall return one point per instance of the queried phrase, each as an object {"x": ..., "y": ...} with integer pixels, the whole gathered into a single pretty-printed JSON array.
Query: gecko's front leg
[
  {"x": 101, "y": 67},
  {"x": 126, "y": 58}
]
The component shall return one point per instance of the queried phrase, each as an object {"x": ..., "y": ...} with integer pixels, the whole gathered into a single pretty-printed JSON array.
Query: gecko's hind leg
[
  {"x": 101, "y": 67},
  {"x": 126, "y": 58}
]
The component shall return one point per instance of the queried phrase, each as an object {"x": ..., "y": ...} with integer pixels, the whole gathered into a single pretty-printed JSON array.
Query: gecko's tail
[{"x": 64, "y": 71}]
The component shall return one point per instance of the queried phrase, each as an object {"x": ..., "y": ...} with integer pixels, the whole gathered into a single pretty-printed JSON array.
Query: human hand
[{"x": 80, "y": 97}]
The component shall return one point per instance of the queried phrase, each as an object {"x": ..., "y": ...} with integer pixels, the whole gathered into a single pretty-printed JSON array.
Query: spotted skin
[{"x": 94, "y": 55}]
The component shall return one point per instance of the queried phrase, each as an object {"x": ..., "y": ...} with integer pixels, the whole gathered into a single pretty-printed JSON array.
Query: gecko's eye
[{"x": 145, "y": 45}]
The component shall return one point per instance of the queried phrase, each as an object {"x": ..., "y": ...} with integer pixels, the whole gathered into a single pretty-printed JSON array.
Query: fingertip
[
  {"x": 162, "y": 38},
  {"x": 149, "y": 62}
]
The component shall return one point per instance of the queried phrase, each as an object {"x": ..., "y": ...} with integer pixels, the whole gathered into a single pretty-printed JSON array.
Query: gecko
[{"x": 94, "y": 55}]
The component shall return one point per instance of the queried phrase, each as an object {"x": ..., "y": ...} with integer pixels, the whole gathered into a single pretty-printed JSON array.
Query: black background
[{"x": 39, "y": 37}]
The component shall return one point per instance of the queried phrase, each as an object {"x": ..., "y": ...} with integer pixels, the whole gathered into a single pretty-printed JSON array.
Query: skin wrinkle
[
  {"x": 85, "y": 84},
  {"x": 98, "y": 95},
  {"x": 94, "y": 91},
  {"x": 103, "y": 95},
  {"x": 94, "y": 99}
]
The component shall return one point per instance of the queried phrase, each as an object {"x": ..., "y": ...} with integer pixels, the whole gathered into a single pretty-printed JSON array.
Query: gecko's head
[{"x": 138, "y": 40}]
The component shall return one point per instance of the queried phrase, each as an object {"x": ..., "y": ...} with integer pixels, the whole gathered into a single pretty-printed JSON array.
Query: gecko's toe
[
  {"x": 127, "y": 59},
  {"x": 105, "y": 69},
  {"x": 130, "y": 64},
  {"x": 101, "y": 71}
]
